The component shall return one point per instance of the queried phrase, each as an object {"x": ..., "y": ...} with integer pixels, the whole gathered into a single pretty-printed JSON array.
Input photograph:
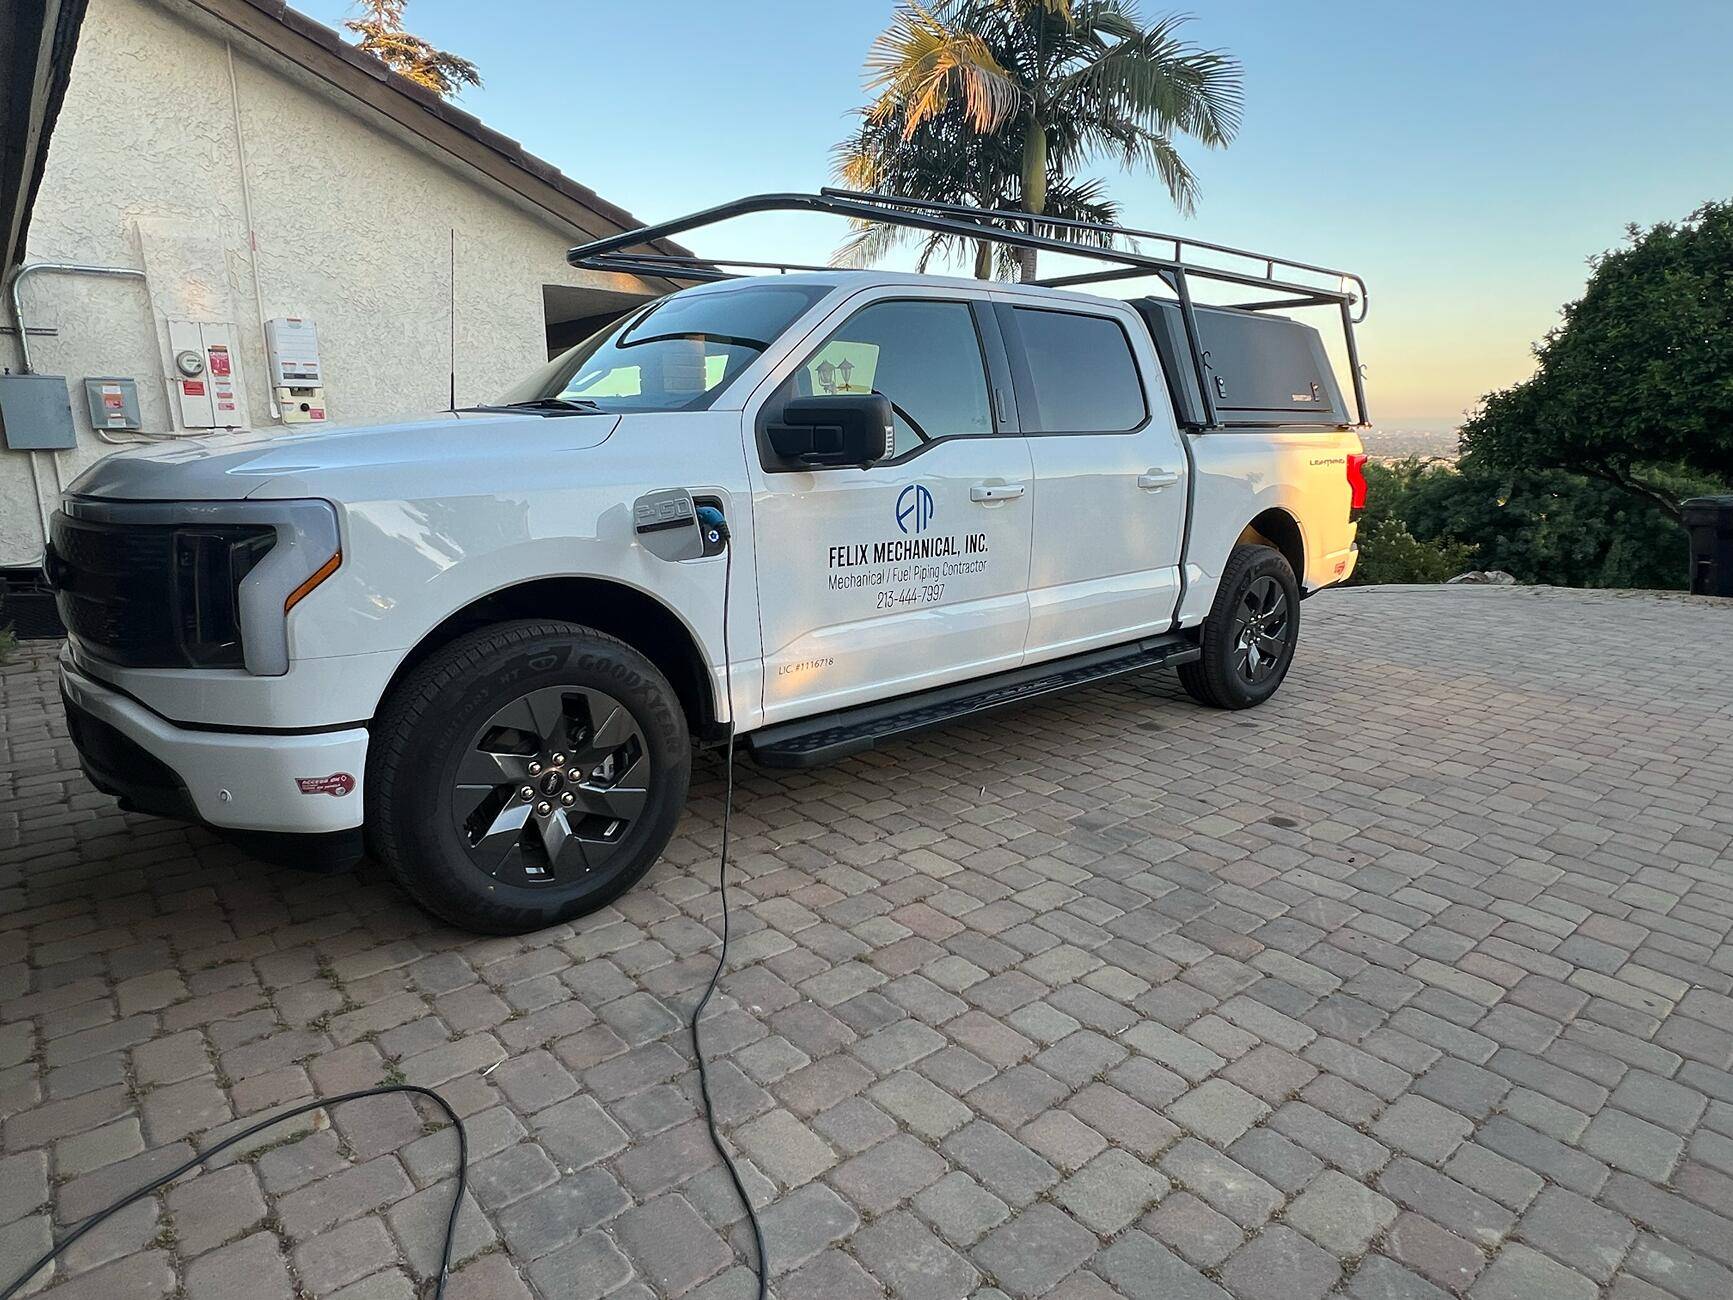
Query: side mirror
[{"x": 829, "y": 432}]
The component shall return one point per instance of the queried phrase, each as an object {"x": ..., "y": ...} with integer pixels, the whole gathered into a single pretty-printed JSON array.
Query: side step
[{"x": 809, "y": 742}]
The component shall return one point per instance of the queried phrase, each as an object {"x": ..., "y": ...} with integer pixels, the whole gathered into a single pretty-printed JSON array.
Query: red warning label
[{"x": 337, "y": 784}]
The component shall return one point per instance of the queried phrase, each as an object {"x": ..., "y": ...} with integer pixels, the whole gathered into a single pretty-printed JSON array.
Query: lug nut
[
  {"x": 535, "y": 769},
  {"x": 528, "y": 792},
  {"x": 568, "y": 798},
  {"x": 576, "y": 774},
  {"x": 557, "y": 759},
  {"x": 544, "y": 807}
]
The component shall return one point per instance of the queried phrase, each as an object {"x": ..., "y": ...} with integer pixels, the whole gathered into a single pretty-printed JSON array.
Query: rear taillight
[{"x": 1356, "y": 485}]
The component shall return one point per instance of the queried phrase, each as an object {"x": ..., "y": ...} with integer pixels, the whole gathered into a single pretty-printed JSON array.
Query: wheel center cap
[{"x": 550, "y": 783}]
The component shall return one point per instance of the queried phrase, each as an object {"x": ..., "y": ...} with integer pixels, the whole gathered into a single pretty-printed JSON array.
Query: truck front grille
[{"x": 154, "y": 595}]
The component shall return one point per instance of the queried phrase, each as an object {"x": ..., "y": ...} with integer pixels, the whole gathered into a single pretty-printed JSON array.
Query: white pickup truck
[{"x": 814, "y": 510}]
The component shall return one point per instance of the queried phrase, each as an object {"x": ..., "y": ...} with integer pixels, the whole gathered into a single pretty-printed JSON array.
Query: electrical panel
[
  {"x": 113, "y": 403},
  {"x": 292, "y": 348},
  {"x": 36, "y": 413},
  {"x": 206, "y": 374},
  {"x": 292, "y": 344}
]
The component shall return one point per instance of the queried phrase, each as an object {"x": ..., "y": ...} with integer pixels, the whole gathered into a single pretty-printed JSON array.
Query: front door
[{"x": 912, "y": 573}]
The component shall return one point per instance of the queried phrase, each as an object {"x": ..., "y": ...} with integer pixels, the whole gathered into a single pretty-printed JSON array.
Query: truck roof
[{"x": 849, "y": 277}]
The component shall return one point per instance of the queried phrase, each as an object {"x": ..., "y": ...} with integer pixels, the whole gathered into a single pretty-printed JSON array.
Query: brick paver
[{"x": 1417, "y": 982}]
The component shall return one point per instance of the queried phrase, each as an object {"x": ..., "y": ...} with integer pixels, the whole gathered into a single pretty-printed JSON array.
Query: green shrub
[{"x": 1390, "y": 553}]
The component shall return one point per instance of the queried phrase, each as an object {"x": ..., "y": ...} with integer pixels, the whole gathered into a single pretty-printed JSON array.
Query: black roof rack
[{"x": 1271, "y": 275}]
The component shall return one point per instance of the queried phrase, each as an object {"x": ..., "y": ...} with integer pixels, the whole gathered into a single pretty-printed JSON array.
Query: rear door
[
  {"x": 1110, "y": 473},
  {"x": 912, "y": 573}
]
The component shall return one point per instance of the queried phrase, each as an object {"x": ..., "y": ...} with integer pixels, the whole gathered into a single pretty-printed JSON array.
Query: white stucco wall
[{"x": 354, "y": 230}]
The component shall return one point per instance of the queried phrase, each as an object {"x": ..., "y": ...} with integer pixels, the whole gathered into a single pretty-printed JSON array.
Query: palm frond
[
  {"x": 1153, "y": 77},
  {"x": 918, "y": 65}
]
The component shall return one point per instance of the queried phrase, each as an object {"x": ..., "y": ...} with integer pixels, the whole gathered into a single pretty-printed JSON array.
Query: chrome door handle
[
  {"x": 996, "y": 491},
  {"x": 1157, "y": 478}
]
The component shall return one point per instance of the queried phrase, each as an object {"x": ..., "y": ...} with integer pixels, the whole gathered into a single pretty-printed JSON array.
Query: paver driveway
[{"x": 1415, "y": 980}]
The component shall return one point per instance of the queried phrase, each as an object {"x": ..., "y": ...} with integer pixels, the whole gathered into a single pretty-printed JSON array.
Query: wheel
[
  {"x": 526, "y": 774},
  {"x": 1249, "y": 637}
]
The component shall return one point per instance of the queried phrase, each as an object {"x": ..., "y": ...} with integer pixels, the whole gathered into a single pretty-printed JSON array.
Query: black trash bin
[{"x": 1709, "y": 521}]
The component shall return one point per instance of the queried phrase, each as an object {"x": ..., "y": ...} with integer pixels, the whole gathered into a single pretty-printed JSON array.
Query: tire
[
  {"x": 1238, "y": 670},
  {"x": 452, "y": 754}
]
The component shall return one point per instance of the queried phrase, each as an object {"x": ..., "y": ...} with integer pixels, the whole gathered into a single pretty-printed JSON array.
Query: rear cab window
[{"x": 1077, "y": 372}]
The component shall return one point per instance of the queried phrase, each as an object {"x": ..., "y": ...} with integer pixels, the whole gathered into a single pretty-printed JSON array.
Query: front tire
[
  {"x": 1249, "y": 637},
  {"x": 526, "y": 774}
]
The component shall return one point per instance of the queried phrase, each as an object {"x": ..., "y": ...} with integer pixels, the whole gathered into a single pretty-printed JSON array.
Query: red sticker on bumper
[{"x": 337, "y": 784}]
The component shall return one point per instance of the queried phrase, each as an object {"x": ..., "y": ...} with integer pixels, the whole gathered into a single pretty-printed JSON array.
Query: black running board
[{"x": 830, "y": 736}]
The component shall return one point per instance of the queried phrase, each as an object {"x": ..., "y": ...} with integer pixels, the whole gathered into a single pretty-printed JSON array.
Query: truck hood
[{"x": 274, "y": 463}]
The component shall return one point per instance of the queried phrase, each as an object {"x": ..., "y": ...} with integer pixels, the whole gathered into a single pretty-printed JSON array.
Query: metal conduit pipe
[
  {"x": 15, "y": 288},
  {"x": 53, "y": 268}
]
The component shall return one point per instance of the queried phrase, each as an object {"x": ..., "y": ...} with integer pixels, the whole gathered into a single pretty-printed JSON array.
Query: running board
[{"x": 828, "y": 737}]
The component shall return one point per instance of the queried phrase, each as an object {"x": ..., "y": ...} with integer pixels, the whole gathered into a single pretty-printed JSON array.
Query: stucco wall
[{"x": 354, "y": 230}]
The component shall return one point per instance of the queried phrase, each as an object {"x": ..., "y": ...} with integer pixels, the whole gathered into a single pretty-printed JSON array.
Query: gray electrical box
[
  {"x": 113, "y": 403},
  {"x": 36, "y": 413}
]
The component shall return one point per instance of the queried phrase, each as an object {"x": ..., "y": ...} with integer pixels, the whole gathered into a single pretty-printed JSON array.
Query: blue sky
[{"x": 1465, "y": 157}]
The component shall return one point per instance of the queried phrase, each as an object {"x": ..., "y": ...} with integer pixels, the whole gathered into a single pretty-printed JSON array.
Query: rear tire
[
  {"x": 1249, "y": 637},
  {"x": 526, "y": 774}
]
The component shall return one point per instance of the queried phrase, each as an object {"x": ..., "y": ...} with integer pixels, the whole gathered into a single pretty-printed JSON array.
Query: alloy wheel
[
  {"x": 549, "y": 786},
  {"x": 1263, "y": 630}
]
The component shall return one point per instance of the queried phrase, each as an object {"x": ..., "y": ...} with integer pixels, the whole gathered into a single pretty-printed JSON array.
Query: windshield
[{"x": 676, "y": 355}]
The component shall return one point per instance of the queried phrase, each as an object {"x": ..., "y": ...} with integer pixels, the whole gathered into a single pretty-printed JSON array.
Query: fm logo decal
[
  {"x": 337, "y": 784},
  {"x": 914, "y": 509}
]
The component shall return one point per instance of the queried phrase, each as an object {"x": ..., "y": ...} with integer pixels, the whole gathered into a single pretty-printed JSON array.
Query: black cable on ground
[
  {"x": 722, "y": 956},
  {"x": 60, "y": 1247}
]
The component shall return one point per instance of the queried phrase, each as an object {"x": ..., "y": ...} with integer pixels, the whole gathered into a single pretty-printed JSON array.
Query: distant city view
[{"x": 1402, "y": 439}]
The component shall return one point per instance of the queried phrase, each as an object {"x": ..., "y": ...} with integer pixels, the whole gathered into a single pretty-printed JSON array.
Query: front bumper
[{"x": 231, "y": 781}]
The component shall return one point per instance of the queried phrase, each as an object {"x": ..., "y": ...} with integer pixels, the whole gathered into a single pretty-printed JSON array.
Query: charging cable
[
  {"x": 715, "y": 529},
  {"x": 60, "y": 1247}
]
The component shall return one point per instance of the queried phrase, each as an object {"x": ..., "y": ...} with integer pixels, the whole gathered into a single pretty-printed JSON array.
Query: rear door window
[{"x": 1081, "y": 369}]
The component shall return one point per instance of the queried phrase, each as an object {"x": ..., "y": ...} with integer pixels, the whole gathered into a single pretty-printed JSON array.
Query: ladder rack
[{"x": 1273, "y": 277}]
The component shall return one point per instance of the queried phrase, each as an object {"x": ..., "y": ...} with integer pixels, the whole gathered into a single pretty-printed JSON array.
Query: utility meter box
[
  {"x": 292, "y": 346},
  {"x": 206, "y": 376},
  {"x": 113, "y": 403},
  {"x": 36, "y": 413}
]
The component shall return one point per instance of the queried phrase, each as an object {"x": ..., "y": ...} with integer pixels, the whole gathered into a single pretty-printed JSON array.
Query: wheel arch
[
  {"x": 635, "y": 617},
  {"x": 1280, "y": 529}
]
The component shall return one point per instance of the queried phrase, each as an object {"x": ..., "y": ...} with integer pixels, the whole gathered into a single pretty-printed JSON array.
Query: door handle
[
  {"x": 1157, "y": 479},
  {"x": 996, "y": 491}
]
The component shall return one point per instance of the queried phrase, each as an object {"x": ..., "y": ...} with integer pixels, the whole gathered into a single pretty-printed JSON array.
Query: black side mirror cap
[{"x": 833, "y": 432}]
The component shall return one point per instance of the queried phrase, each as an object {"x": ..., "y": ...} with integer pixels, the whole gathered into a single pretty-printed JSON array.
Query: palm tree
[
  {"x": 944, "y": 160},
  {"x": 1052, "y": 84}
]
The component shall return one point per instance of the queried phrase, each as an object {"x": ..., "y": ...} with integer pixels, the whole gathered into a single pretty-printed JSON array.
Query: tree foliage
[
  {"x": 1635, "y": 386},
  {"x": 381, "y": 33},
  {"x": 944, "y": 161},
  {"x": 1390, "y": 553},
  {"x": 1001, "y": 103},
  {"x": 1540, "y": 526}
]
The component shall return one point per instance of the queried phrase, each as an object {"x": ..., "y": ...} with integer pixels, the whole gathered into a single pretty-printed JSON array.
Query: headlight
[{"x": 209, "y": 566}]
